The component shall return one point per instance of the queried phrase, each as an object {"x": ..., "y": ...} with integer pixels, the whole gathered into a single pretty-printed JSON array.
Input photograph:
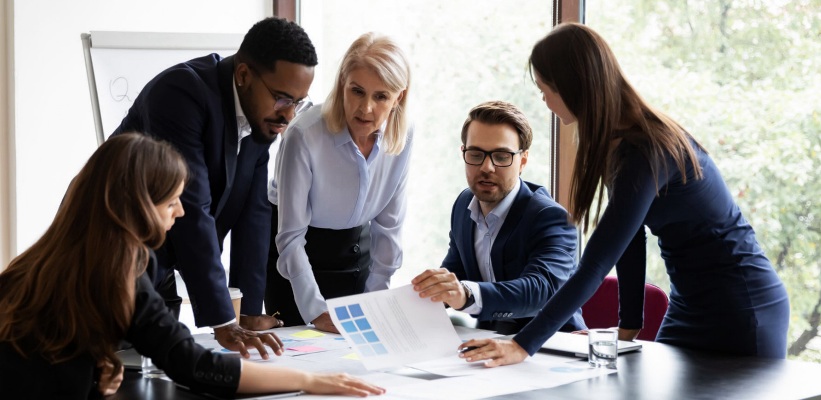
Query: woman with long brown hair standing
[
  {"x": 68, "y": 301},
  {"x": 725, "y": 295}
]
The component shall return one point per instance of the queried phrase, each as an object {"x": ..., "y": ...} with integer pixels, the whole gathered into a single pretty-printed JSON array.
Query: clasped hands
[
  {"x": 440, "y": 285},
  {"x": 239, "y": 337}
]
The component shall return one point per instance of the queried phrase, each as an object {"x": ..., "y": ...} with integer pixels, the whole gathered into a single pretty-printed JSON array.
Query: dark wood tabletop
[
  {"x": 656, "y": 372},
  {"x": 666, "y": 372}
]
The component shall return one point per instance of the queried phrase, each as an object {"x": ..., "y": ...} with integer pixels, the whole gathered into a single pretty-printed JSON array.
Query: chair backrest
[{"x": 602, "y": 310}]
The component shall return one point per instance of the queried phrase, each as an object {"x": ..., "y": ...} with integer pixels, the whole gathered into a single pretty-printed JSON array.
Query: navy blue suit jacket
[
  {"x": 191, "y": 105},
  {"x": 532, "y": 256}
]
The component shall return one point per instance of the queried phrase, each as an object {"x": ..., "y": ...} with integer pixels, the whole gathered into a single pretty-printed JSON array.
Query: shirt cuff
[
  {"x": 476, "y": 307},
  {"x": 308, "y": 298},
  {"x": 377, "y": 281},
  {"x": 233, "y": 320}
]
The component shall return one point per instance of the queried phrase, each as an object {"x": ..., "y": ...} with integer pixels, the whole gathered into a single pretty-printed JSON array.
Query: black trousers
[{"x": 340, "y": 261}]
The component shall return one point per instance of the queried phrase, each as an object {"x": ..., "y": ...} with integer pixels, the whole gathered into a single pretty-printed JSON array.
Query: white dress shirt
[
  {"x": 243, "y": 130},
  {"x": 323, "y": 180},
  {"x": 243, "y": 127},
  {"x": 487, "y": 228}
]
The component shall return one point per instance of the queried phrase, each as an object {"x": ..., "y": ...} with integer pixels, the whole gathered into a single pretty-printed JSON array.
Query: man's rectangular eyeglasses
[
  {"x": 499, "y": 158},
  {"x": 281, "y": 102}
]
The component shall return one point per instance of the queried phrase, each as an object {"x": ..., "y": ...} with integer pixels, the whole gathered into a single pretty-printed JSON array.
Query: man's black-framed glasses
[
  {"x": 499, "y": 158},
  {"x": 282, "y": 102}
]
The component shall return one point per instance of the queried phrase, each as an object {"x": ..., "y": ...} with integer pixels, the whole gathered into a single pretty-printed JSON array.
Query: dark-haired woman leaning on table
[
  {"x": 725, "y": 295},
  {"x": 68, "y": 301}
]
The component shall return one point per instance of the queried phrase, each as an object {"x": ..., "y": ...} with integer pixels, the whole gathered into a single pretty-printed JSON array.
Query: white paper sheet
[
  {"x": 455, "y": 366},
  {"x": 500, "y": 381},
  {"x": 391, "y": 328}
]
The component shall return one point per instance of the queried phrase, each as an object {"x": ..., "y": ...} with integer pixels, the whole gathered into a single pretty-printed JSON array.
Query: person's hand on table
[
  {"x": 495, "y": 352},
  {"x": 440, "y": 285},
  {"x": 235, "y": 338},
  {"x": 110, "y": 380},
  {"x": 340, "y": 384},
  {"x": 628, "y": 334},
  {"x": 260, "y": 322},
  {"x": 324, "y": 323}
]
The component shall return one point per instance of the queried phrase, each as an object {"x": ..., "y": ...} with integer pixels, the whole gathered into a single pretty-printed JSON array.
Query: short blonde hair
[{"x": 383, "y": 56}]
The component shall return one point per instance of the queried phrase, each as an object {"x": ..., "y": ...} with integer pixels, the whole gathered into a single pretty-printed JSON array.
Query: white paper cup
[{"x": 236, "y": 299}]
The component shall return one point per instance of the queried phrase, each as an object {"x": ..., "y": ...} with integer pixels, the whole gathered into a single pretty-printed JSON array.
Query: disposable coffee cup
[
  {"x": 603, "y": 349},
  {"x": 236, "y": 299}
]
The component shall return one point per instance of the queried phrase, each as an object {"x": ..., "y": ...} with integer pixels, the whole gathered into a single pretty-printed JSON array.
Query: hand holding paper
[{"x": 391, "y": 328}]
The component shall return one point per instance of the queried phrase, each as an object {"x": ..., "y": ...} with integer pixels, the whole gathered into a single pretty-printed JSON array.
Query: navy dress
[{"x": 724, "y": 294}]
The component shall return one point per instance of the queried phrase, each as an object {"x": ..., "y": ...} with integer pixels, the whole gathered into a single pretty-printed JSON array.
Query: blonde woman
[{"x": 339, "y": 188}]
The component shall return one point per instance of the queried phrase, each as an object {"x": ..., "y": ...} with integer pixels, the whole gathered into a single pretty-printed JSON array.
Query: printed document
[{"x": 391, "y": 328}]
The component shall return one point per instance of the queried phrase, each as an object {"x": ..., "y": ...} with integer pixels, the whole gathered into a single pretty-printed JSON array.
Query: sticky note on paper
[
  {"x": 352, "y": 356},
  {"x": 307, "y": 334}
]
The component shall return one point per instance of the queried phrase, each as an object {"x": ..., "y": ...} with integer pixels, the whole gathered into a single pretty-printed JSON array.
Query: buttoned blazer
[{"x": 533, "y": 255}]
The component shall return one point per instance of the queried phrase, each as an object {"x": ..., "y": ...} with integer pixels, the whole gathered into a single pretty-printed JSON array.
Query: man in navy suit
[
  {"x": 222, "y": 115},
  {"x": 511, "y": 245}
]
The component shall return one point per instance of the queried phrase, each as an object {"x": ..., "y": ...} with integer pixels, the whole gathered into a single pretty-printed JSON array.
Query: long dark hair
[
  {"x": 72, "y": 292},
  {"x": 576, "y": 62}
]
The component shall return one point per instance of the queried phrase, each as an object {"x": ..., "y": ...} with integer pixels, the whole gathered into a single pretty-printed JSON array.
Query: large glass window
[
  {"x": 462, "y": 53},
  {"x": 742, "y": 76}
]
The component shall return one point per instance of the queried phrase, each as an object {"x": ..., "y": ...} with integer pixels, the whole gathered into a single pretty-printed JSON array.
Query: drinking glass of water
[
  {"x": 150, "y": 370},
  {"x": 603, "y": 348}
]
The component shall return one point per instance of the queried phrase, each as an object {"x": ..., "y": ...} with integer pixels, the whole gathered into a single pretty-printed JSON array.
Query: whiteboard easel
[{"x": 119, "y": 64}]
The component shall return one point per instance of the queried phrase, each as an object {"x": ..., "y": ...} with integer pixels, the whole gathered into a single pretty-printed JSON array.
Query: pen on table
[{"x": 467, "y": 349}]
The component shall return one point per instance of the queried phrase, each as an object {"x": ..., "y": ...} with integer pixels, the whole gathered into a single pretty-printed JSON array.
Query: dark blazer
[
  {"x": 532, "y": 256},
  {"x": 154, "y": 332},
  {"x": 191, "y": 105}
]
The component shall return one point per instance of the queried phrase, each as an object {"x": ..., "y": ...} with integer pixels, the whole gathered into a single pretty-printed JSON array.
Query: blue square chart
[
  {"x": 363, "y": 324},
  {"x": 370, "y": 336},
  {"x": 342, "y": 313},
  {"x": 380, "y": 349},
  {"x": 358, "y": 339},
  {"x": 356, "y": 310},
  {"x": 367, "y": 351},
  {"x": 355, "y": 324},
  {"x": 349, "y": 326}
]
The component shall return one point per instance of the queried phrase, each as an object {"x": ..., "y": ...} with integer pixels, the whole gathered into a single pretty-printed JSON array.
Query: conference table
[{"x": 658, "y": 371}]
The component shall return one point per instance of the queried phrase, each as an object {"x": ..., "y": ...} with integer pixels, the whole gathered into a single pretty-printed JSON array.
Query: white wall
[
  {"x": 6, "y": 148},
  {"x": 53, "y": 129}
]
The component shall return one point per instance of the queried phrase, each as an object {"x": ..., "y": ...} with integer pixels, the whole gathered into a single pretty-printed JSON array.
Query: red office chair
[{"x": 602, "y": 310}]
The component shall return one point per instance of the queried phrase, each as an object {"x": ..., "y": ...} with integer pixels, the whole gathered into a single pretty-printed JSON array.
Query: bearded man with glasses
[
  {"x": 222, "y": 114},
  {"x": 511, "y": 244}
]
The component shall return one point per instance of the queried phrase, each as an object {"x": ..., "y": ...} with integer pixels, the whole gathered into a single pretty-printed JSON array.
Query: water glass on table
[
  {"x": 603, "y": 348},
  {"x": 150, "y": 370}
]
